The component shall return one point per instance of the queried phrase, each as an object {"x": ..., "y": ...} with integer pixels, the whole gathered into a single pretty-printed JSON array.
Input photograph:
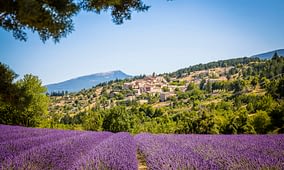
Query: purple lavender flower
[
  {"x": 116, "y": 152},
  {"x": 212, "y": 151}
]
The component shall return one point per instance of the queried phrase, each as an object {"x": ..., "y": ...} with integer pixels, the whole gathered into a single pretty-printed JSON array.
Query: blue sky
[{"x": 170, "y": 36}]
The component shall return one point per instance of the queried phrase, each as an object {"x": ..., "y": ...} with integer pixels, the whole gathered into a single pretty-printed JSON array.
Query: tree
[
  {"x": 93, "y": 121},
  {"x": 23, "y": 102},
  {"x": 280, "y": 88},
  {"x": 277, "y": 117},
  {"x": 208, "y": 86},
  {"x": 264, "y": 82},
  {"x": 261, "y": 121},
  {"x": 8, "y": 90},
  {"x": 237, "y": 85},
  {"x": 117, "y": 120},
  {"x": 191, "y": 86},
  {"x": 239, "y": 124},
  {"x": 206, "y": 124},
  {"x": 53, "y": 18},
  {"x": 275, "y": 56},
  {"x": 202, "y": 83},
  {"x": 9, "y": 96},
  {"x": 254, "y": 81},
  {"x": 275, "y": 88},
  {"x": 36, "y": 101}
]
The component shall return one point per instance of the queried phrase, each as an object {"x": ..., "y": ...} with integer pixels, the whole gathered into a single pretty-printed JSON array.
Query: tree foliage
[
  {"x": 8, "y": 90},
  {"x": 261, "y": 121},
  {"x": 53, "y": 18},
  {"x": 222, "y": 63},
  {"x": 22, "y": 102},
  {"x": 35, "y": 99}
]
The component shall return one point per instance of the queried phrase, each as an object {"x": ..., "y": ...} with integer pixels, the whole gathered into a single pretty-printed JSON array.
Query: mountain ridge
[
  {"x": 86, "y": 81},
  {"x": 269, "y": 55}
]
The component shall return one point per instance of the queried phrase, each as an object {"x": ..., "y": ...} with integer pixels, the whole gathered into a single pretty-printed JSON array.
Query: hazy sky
[{"x": 170, "y": 36}]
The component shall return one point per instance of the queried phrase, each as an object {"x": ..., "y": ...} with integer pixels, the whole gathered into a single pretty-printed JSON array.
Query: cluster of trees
[
  {"x": 22, "y": 102},
  {"x": 244, "y": 114},
  {"x": 268, "y": 69},
  {"x": 221, "y": 63}
]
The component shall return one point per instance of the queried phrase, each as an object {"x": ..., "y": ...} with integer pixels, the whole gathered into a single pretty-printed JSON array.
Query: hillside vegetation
[{"x": 243, "y": 95}]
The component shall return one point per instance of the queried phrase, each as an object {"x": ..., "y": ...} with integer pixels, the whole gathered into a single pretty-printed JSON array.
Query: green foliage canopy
[
  {"x": 53, "y": 18},
  {"x": 23, "y": 102}
]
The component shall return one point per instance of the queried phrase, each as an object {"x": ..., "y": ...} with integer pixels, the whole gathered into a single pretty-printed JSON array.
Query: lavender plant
[
  {"x": 212, "y": 151},
  {"x": 116, "y": 152},
  {"x": 30, "y": 148},
  {"x": 11, "y": 148},
  {"x": 59, "y": 154}
]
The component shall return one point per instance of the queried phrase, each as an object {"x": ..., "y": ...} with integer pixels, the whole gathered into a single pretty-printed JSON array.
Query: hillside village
[
  {"x": 161, "y": 88},
  {"x": 216, "y": 79}
]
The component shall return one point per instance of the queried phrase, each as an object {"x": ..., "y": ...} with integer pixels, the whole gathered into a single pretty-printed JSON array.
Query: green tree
[
  {"x": 36, "y": 101},
  {"x": 202, "y": 83},
  {"x": 261, "y": 121},
  {"x": 191, "y": 86},
  {"x": 117, "y": 120},
  {"x": 237, "y": 85},
  {"x": 275, "y": 56},
  {"x": 208, "y": 86},
  {"x": 206, "y": 124},
  {"x": 264, "y": 82},
  {"x": 93, "y": 121},
  {"x": 280, "y": 88},
  {"x": 148, "y": 110},
  {"x": 275, "y": 88},
  {"x": 8, "y": 90},
  {"x": 9, "y": 96},
  {"x": 277, "y": 117},
  {"x": 239, "y": 124},
  {"x": 254, "y": 81}
]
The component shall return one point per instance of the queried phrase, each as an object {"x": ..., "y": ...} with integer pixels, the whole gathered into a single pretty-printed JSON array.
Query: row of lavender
[
  {"x": 31, "y": 148},
  {"x": 212, "y": 151}
]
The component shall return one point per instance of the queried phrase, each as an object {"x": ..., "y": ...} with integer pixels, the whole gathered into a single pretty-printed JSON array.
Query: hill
[
  {"x": 85, "y": 82},
  {"x": 269, "y": 55},
  {"x": 240, "y": 95}
]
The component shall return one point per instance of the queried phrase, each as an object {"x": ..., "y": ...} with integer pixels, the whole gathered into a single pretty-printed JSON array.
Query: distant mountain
[
  {"x": 269, "y": 55},
  {"x": 77, "y": 84}
]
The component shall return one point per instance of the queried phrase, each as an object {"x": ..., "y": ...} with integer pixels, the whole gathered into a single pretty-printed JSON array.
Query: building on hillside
[
  {"x": 127, "y": 85},
  {"x": 130, "y": 98},
  {"x": 148, "y": 84},
  {"x": 165, "y": 96},
  {"x": 156, "y": 90},
  {"x": 148, "y": 88},
  {"x": 142, "y": 101}
]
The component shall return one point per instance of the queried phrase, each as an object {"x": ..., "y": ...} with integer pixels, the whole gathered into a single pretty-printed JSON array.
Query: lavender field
[{"x": 31, "y": 148}]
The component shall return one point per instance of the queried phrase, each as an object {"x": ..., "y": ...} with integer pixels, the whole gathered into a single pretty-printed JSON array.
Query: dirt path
[{"x": 141, "y": 161}]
